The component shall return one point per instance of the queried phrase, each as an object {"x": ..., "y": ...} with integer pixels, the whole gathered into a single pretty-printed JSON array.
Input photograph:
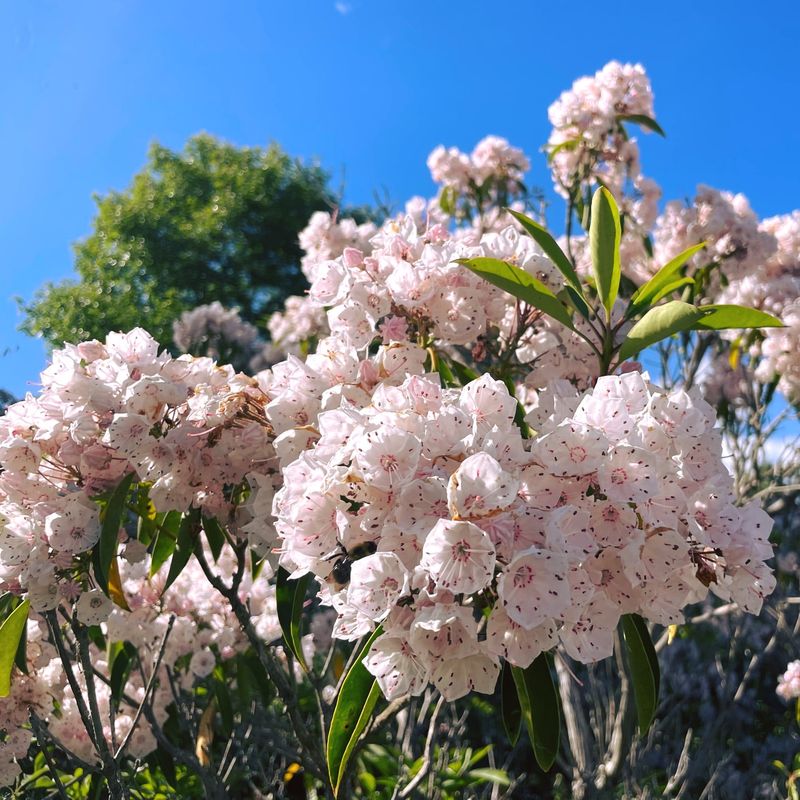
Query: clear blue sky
[{"x": 369, "y": 87}]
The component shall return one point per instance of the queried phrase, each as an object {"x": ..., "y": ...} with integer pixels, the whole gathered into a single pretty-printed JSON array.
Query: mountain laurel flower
[
  {"x": 458, "y": 556},
  {"x": 93, "y": 607}
]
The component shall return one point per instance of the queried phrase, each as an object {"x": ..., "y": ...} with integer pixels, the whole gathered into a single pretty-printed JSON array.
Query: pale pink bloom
[
  {"x": 388, "y": 457},
  {"x": 457, "y": 677},
  {"x": 480, "y": 487},
  {"x": 458, "y": 556},
  {"x": 395, "y": 666},
  {"x": 534, "y": 588},
  {"x": 571, "y": 449},
  {"x": 377, "y": 582},
  {"x": 509, "y": 640},
  {"x": 93, "y": 607}
]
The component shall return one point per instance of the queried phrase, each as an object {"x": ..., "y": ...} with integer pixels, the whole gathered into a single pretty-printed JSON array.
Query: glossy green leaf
[
  {"x": 290, "y": 596},
  {"x": 489, "y": 775},
  {"x": 122, "y": 659},
  {"x": 538, "y": 700},
  {"x": 604, "y": 238},
  {"x": 445, "y": 373},
  {"x": 185, "y": 545},
  {"x": 519, "y": 414},
  {"x": 544, "y": 239},
  {"x": 520, "y": 284},
  {"x": 113, "y": 516},
  {"x": 509, "y": 704},
  {"x": 643, "y": 665},
  {"x": 11, "y": 631},
  {"x": 657, "y": 324},
  {"x": 166, "y": 537},
  {"x": 569, "y": 144},
  {"x": 463, "y": 373},
  {"x": 670, "y": 288},
  {"x": 215, "y": 535},
  {"x": 723, "y": 317},
  {"x": 354, "y": 706},
  {"x": 646, "y": 294},
  {"x": 643, "y": 121}
]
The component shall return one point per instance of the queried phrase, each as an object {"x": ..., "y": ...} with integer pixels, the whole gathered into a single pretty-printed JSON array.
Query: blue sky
[{"x": 369, "y": 87}]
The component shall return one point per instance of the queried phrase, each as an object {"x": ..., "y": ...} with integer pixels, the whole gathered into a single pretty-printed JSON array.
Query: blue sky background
[{"x": 369, "y": 87}]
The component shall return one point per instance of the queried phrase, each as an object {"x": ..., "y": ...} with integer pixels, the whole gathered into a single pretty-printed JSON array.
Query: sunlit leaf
[
  {"x": 520, "y": 284},
  {"x": 724, "y": 317},
  {"x": 604, "y": 239},
  {"x": 115, "y": 591},
  {"x": 657, "y": 324},
  {"x": 11, "y": 631},
  {"x": 545, "y": 240},
  {"x": 646, "y": 294}
]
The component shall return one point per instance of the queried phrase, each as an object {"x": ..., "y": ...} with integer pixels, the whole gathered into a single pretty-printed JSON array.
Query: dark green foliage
[{"x": 213, "y": 222}]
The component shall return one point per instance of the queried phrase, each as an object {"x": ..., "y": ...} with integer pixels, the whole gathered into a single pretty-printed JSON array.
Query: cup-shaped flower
[
  {"x": 458, "y": 556},
  {"x": 480, "y": 486},
  {"x": 377, "y": 582},
  {"x": 534, "y": 587}
]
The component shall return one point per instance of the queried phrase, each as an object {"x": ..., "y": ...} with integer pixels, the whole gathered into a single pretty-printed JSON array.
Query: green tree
[{"x": 213, "y": 222}]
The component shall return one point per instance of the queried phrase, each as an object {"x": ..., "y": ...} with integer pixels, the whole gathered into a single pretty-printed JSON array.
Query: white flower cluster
[
  {"x": 725, "y": 222},
  {"x": 492, "y": 160},
  {"x": 186, "y": 427},
  {"x": 760, "y": 261},
  {"x": 789, "y": 682},
  {"x": 425, "y": 511},
  {"x": 214, "y": 331}
]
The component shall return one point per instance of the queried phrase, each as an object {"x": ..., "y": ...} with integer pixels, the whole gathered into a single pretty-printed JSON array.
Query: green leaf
[
  {"x": 509, "y": 704},
  {"x": 11, "y": 631},
  {"x": 643, "y": 121},
  {"x": 643, "y": 665},
  {"x": 646, "y": 294},
  {"x": 604, "y": 237},
  {"x": 569, "y": 144},
  {"x": 722, "y": 317},
  {"x": 538, "y": 700},
  {"x": 124, "y": 657},
  {"x": 519, "y": 414},
  {"x": 290, "y": 596},
  {"x": 489, "y": 775},
  {"x": 519, "y": 283},
  {"x": 670, "y": 288},
  {"x": 165, "y": 540},
  {"x": 443, "y": 368},
  {"x": 109, "y": 533},
  {"x": 550, "y": 246},
  {"x": 185, "y": 545},
  {"x": 659, "y": 323},
  {"x": 448, "y": 200},
  {"x": 215, "y": 535},
  {"x": 463, "y": 373},
  {"x": 354, "y": 706}
]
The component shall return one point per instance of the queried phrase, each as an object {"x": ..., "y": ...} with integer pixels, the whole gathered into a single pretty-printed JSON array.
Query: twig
[
  {"x": 148, "y": 688},
  {"x": 426, "y": 763}
]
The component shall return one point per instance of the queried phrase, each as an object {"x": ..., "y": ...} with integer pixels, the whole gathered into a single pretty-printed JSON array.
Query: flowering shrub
[{"x": 457, "y": 471}]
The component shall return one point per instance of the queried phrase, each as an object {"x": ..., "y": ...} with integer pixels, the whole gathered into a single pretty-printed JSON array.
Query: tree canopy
[{"x": 214, "y": 222}]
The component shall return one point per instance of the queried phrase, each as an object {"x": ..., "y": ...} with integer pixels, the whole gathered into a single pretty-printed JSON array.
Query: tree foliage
[{"x": 212, "y": 222}]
